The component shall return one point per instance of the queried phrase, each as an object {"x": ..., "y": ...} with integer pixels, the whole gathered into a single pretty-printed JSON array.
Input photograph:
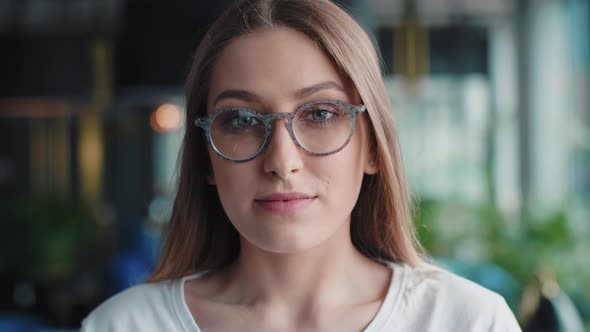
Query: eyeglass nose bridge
[
  {"x": 278, "y": 116},
  {"x": 269, "y": 118}
]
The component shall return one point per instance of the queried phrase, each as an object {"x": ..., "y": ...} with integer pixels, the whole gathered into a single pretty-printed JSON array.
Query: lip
[{"x": 284, "y": 203}]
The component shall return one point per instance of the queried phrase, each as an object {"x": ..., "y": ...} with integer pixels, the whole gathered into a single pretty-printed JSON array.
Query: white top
[{"x": 418, "y": 299}]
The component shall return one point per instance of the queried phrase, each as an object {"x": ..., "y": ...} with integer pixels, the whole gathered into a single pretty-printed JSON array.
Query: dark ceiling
[
  {"x": 47, "y": 44},
  {"x": 156, "y": 41},
  {"x": 51, "y": 55}
]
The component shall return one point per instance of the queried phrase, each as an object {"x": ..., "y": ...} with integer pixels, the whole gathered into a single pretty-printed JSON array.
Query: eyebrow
[
  {"x": 310, "y": 90},
  {"x": 299, "y": 94}
]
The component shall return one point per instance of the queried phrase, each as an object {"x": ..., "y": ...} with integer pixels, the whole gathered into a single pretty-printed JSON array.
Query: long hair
[{"x": 200, "y": 235}]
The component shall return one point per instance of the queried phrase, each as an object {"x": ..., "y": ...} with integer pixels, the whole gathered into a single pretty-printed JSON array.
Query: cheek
[
  {"x": 353, "y": 168},
  {"x": 234, "y": 182},
  {"x": 343, "y": 173}
]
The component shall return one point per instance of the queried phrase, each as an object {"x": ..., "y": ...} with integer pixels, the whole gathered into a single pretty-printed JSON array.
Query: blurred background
[{"x": 491, "y": 103}]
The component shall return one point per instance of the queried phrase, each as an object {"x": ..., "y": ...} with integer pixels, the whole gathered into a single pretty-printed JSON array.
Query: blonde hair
[{"x": 200, "y": 236}]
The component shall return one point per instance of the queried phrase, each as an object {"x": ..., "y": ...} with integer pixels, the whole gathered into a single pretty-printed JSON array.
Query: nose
[{"x": 282, "y": 157}]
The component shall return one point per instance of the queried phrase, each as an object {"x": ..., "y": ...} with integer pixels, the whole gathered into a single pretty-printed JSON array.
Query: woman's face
[{"x": 286, "y": 200}]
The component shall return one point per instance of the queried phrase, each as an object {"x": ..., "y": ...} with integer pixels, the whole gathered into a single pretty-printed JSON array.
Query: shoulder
[
  {"x": 450, "y": 300},
  {"x": 433, "y": 282},
  {"x": 143, "y": 307}
]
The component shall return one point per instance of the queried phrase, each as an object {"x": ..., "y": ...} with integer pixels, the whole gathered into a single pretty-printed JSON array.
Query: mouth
[{"x": 285, "y": 203}]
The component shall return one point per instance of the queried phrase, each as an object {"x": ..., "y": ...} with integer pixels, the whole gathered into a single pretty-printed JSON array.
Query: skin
[{"x": 296, "y": 271}]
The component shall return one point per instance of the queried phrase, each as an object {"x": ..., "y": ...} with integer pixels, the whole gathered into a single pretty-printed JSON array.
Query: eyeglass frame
[{"x": 205, "y": 123}]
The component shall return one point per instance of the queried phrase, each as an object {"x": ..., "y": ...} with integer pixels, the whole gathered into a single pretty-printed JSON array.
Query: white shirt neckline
[{"x": 381, "y": 319}]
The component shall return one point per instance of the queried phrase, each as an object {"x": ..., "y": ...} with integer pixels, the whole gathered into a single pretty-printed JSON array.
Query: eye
[
  {"x": 323, "y": 113},
  {"x": 320, "y": 115},
  {"x": 244, "y": 121}
]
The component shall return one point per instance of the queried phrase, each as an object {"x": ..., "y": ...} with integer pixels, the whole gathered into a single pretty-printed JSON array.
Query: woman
[{"x": 292, "y": 211}]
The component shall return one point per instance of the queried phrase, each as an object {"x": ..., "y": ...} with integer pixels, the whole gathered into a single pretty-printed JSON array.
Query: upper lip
[{"x": 284, "y": 196}]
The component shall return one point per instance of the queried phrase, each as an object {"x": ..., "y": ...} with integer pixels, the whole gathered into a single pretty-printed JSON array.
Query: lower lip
[{"x": 290, "y": 206}]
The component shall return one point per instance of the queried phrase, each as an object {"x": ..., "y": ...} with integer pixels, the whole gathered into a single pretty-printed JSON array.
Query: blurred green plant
[{"x": 44, "y": 238}]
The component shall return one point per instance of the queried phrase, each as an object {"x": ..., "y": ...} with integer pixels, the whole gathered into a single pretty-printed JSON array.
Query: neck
[{"x": 333, "y": 273}]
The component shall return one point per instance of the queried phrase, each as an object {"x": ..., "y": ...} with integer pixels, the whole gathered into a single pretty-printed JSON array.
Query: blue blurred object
[
  {"x": 19, "y": 323},
  {"x": 136, "y": 257}
]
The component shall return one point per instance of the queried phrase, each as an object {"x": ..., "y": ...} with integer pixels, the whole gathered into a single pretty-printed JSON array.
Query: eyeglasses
[{"x": 320, "y": 127}]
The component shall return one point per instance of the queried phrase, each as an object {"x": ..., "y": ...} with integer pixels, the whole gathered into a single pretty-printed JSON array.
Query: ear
[
  {"x": 371, "y": 162},
  {"x": 371, "y": 165}
]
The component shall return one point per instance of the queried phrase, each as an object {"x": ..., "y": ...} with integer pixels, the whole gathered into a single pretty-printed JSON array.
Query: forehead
[{"x": 272, "y": 62}]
